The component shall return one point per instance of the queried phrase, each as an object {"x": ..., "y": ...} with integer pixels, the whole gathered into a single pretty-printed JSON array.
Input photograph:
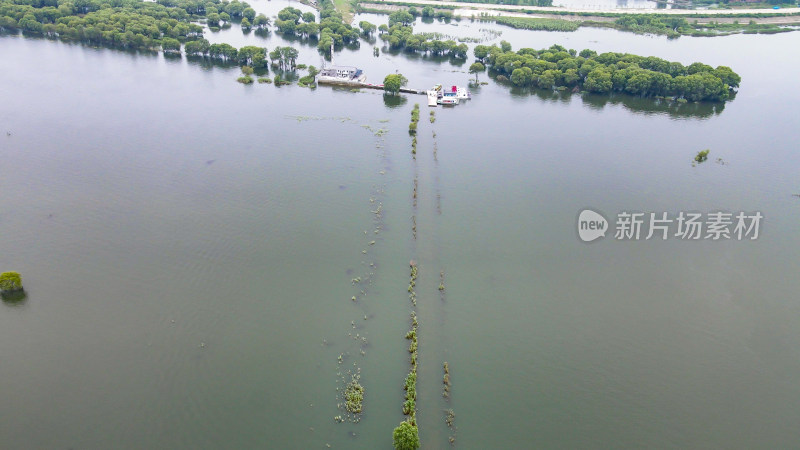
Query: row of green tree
[
  {"x": 129, "y": 24},
  {"x": 608, "y": 72},
  {"x": 673, "y": 26},
  {"x": 331, "y": 30},
  {"x": 293, "y": 21},
  {"x": 513, "y": 2},
  {"x": 399, "y": 34},
  {"x": 429, "y": 13},
  {"x": 284, "y": 58},
  {"x": 654, "y": 23}
]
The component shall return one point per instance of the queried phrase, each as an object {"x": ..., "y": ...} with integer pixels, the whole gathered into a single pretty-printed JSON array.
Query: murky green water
[{"x": 188, "y": 246}]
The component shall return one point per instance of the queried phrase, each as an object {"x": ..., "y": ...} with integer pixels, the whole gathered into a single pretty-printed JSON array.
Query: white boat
[{"x": 451, "y": 96}]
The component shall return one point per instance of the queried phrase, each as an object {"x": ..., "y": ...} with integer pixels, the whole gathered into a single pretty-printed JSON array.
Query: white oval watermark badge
[{"x": 591, "y": 225}]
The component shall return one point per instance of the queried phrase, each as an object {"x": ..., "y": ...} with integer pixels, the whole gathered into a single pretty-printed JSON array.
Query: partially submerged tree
[
  {"x": 476, "y": 68},
  {"x": 392, "y": 83},
  {"x": 10, "y": 282},
  {"x": 367, "y": 28}
]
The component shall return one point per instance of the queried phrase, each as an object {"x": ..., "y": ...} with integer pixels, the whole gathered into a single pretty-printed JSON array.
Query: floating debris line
[
  {"x": 412, "y": 129},
  {"x": 407, "y": 430},
  {"x": 406, "y": 435},
  {"x": 349, "y": 391},
  {"x": 450, "y": 415}
]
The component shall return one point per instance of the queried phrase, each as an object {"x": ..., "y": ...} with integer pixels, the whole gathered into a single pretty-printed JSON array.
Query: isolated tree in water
[
  {"x": 393, "y": 83},
  {"x": 476, "y": 68},
  {"x": 10, "y": 282}
]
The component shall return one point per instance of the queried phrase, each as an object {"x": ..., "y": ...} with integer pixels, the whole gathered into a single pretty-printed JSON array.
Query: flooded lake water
[{"x": 188, "y": 245}]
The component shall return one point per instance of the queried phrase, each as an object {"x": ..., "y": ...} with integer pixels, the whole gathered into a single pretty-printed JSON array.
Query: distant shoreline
[{"x": 557, "y": 10}]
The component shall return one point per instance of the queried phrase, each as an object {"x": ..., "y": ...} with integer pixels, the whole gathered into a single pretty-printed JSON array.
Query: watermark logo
[
  {"x": 634, "y": 226},
  {"x": 591, "y": 225}
]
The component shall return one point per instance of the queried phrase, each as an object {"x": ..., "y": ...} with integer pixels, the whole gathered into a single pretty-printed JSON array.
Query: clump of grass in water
[
  {"x": 416, "y": 185},
  {"x": 412, "y": 129},
  {"x": 412, "y": 293},
  {"x": 701, "y": 157},
  {"x": 450, "y": 417},
  {"x": 446, "y": 380},
  {"x": 433, "y": 116},
  {"x": 449, "y": 414},
  {"x": 354, "y": 395}
]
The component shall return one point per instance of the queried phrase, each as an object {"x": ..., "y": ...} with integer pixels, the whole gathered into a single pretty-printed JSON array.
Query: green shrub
[
  {"x": 10, "y": 282},
  {"x": 702, "y": 155},
  {"x": 406, "y": 436},
  {"x": 245, "y": 79},
  {"x": 529, "y": 23},
  {"x": 354, "y": 396}
]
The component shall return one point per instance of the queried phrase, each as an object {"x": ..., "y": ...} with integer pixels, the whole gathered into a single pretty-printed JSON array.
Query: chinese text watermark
[{"x": 631, "y": 226}]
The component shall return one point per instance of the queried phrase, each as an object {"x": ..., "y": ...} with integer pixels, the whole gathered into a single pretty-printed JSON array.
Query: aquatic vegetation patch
[
  {"x": 450, "y": 416},
  {"x": 10, "y": 282},
  {"x": 702, "y": 156},
  {"x": 531, "y": 23},
  {"x": 406, "y": 436},
  {"x": 412, "y": 128},
  {"x": 354, "y": 395}
]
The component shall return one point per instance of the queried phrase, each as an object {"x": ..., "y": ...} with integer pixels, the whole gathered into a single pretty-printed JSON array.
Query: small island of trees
[
  {"x": 127, "y": 24},
  {"x": 557, "y": 67}
]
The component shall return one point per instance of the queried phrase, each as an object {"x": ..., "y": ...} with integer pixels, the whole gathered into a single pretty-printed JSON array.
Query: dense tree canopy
[
  {"x": 402, "y": 37},
  {"x": 367, "y": 28},
  {"x": 401, "y": 17},
  {"x": 610, "y": 72},
  {"x": 332, "y": 30},
  {"x": 129, "y": 24},
  {"x": 406, "y": 436}
]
